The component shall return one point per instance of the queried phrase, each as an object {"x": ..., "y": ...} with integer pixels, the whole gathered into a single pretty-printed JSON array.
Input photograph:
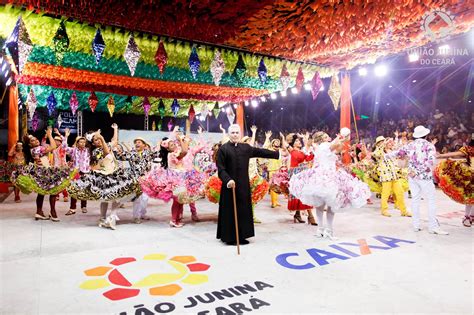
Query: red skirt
[{"x": 296, "y": 204}]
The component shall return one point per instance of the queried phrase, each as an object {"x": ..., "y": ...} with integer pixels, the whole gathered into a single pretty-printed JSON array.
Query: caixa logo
[{"x": 337, "y": 252}]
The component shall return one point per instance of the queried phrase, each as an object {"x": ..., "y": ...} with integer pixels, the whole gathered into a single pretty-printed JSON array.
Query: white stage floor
[{"x": 51, "y": 268}]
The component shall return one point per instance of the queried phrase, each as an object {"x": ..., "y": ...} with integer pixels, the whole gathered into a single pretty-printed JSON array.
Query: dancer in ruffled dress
[
  {"x": 80, "y": 157},
  {"x": 16, "y": 161},
  {"x": 59, "y": 155},
  {"x": 40, "y": 176},
  {"x": 299, "y": 161},
  {"x": 328, "y": 185},
  {"x": 273, "y": 166},
  {"x": 456, "y": 178}
]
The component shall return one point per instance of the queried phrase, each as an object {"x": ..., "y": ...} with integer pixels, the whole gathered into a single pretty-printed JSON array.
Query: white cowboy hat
[
  {"x": 379, "y": 138},
  {"x": 142, "y": 140},
  {"x": 420, "y": 131}
]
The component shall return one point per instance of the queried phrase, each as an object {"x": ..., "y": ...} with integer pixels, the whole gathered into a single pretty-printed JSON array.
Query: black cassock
[{"x": 233, "y": 163}]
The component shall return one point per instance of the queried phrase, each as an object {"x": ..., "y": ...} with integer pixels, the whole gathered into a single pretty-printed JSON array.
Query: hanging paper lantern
[
  {"x": 35, "y": 121},
  {"x": 240, "y": 70},
  {"x": 161, "y": 108},
  {"x": 217, "y": 67},
  {"x": 132, "y": 54},
  {"x": 128, "y": 104},
  {"x": 299, "y": 79},
  {"x": 61, "y": 42},
  {"x": 170, "y": 124},
  {"x": 175, "y": 107},
  {"x": 98, "y": 46},
  {"x": 334, "y": 91},
  {"x": 216, "y": 110},
  {"x": 93, "y": 101},
  {"x": 194, "y": 62},
  {"x": 146, "y": 105},
  {"x": 153, "y": 126},
  {"x": 160, "y": 125},
  {"x": 262, "y": 71},
  {"x": 191, "y": 113},
  {"x": 316, "y": 85},
  {"x": 284, "y": 78},
  {"x": 161, "y": 57},
  {"x": 59, "y": 121},
  {"x": 31, "y": 103},
  {"x": 111, "y": 105},
  {"x": 51, "y": 104},
  {"x": 73, "y": 103},
  {"x": 19, "y": 45}
]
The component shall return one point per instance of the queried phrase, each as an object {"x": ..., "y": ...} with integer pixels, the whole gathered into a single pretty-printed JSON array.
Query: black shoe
[{"x": 242, "y": 242}]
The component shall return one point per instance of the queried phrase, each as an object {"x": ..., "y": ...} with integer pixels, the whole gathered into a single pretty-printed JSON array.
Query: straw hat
[
  {"x": 420, "y": 131},
  {"x": 142, "y": 140},
  {"x": 379, "y": 138},
  {"x": 58, "y": 138}
]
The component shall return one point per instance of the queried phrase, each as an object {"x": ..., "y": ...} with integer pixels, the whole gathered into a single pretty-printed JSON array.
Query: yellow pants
[
  {"x": 274, "y": 198},
  {"x": 394, "y": 186}
]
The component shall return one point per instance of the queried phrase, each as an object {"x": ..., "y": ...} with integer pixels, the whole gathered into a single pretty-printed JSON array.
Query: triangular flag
[
  {"x": 316, "y": 85},
  {"x": 299, "y": 79},
  {"x": 111, "y": 105}
]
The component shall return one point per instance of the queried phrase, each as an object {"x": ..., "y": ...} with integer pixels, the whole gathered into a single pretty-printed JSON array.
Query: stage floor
[{"x": 75, "y": 267}]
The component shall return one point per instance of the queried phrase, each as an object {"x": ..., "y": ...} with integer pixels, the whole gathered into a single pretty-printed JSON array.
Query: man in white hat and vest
[{"x": 421, "y": 155}]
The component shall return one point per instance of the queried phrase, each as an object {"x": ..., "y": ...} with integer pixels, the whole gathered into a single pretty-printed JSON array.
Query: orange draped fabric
[
  {"x": 346, "y": 114},
  {"x": 240, "y": 117},
  {"x": 13, "y": 114}
]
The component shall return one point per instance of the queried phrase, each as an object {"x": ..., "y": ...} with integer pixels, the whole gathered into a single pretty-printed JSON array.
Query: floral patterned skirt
[
  {"x": 120, "y": 184},
  {"x": 42, "y": 180},
  {"x": 456, "y": 180},
  {"x": 258, "y": 187}
]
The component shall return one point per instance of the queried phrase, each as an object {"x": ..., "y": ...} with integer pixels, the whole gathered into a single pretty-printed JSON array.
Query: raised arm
[
  {"x": 114, "y": 140},
  {"x": 254, "y": 135},
  {"x": 266, "y": 144},
  {"x": 457, "y": 154},
  {"x": 52, "y": 143}
]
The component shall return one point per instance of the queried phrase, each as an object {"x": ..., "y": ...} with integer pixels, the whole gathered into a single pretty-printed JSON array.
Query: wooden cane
[{"x": 236, "y": 221}]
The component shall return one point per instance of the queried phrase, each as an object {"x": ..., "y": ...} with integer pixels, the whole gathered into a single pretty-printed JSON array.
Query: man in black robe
[{"x": 233, "y": 169}]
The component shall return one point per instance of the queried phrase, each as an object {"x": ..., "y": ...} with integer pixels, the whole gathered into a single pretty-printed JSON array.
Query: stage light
[
  {"x": 443, "y": 49},
  {"x": 273, "y": 96},
  {"x": 376, "y": 103},
  {"x": 246, "y": 103},
  {"x": 381, "y": 70},
  {"x": 307, "y": 87},
  {"x": 254, "y": 103},
  {"x": 281, "y": 108},
  {"x": 362, "y": 72},
  {"x": 413, "y": 57},
  {"x": 414, "y": 81},
  {"x": 283, "y": 93},
  {"x": 271, "y": 111},
  {"x": 4, "y": 67},
  {"x": 235, "y": 106},
  {"x": 469, "y": 101},
  {"x": 294, "y": 90},
  {"x": 390, "y": 86},
  {"x": 262, "y": 98},
  {"x": 388, "y": 104}
]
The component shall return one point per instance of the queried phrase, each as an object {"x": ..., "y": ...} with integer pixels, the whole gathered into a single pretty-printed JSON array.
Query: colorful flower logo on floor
[{"x": 125, "y": 276}]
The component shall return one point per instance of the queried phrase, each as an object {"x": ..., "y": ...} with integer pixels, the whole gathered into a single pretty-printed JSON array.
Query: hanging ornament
[
  {"x": 216, "y": 110},
  {"x": 98, "y": 46},
  {"x": 160, "y": 124},
  {"x": 93, "y": 101},
  {"x": 31, "y": 103},
  {"x": 299, "y": 79},
  {"x": 194, "y": 62},
  {"x": 161, "y": 57},
  {"x": 73, "y": 103},
  {"x": 153, "y": 126},
  {"x": 240, "y": 70},
  {"x": 61, "y": 42},
  {"x": 170, "y": 124},
  {"x": 175, "y": 107},
  {"x": 316, "y": 85},
  {"x": 35, "y": 121},
  {"x": 51, "y": 104},
  {"x": 19, "y": 45},
  {"x": 146, "y": 105},
  {"x": 230, "y": 115},
  {"x": 161, "y": 108},
  {"x": 334, "y": 91},
  {"x": 111, "y": 105},
  {"x": 59, "y": 121},
  {"x": 284, "y": 78},
  {"x": 217, "y": 67},
  {"x": 262, "y": 71},
  {"x": 132, "y": 54},
  {"x": 191, "y": 114},
  {"x": 128, "y": 104}
]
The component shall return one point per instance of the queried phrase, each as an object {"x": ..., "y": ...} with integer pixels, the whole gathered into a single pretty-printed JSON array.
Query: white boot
[
  {"x": 328, "y": 233},
  {"x": 320, "y": 232}
]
